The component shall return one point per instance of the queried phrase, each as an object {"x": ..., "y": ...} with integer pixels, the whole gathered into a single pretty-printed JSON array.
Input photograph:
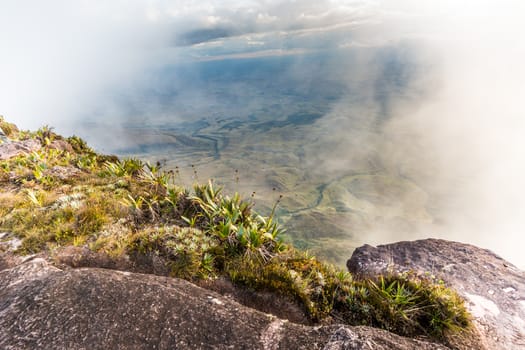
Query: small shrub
[
  {"x": 188, "y": 252},
  {"x": 90, "y": 219},
  {"x": 45, "y": 135},
  {"x": 407, "y": 305},
  {"x": 79, "y": 145}
]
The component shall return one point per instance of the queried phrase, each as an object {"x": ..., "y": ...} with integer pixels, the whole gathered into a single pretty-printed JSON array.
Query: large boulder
[
  {"x": 493, "y": 288},
  {"x": 61, "y": 145},
  {"x": 43, "y": 307},
  {"x": 15, "y": 148}
]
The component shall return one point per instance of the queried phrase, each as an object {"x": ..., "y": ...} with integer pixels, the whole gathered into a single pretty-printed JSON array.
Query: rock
[
  {"x": 43, "y": 307},
  {"x": 8, "y": 260},
  {"x": 15, "y": 148},
  {"x": 9, "y": 241},
  {"x": 281, "y": 306},
  {"x": 63, "y": 172},
  {"x": 366, "y": 338},
  {"x": 493, "y": 288},
  {"x": 61, "y": 145}
]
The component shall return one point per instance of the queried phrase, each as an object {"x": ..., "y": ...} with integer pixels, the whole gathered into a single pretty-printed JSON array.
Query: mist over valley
[{"x": 376, "y": 121}]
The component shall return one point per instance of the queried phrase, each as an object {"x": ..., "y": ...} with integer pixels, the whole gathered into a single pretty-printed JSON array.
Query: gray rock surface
[
  {"x": 43, "y": 307},
  {"x": 14, "y": 148},
  {"x": 61, "y": 145},
  {"x": 493, "y": 288},
  {"x": 7, "y": 261},
  {"x": 63, "y": 172}
]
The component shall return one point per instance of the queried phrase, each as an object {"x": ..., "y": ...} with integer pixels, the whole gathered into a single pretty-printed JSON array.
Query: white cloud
[
  {"x": 62, "y": 58},
  {"x": 265, "y": 18},
  {"x": 468, "y": 127},
  {"x": 58, "y": 58}
]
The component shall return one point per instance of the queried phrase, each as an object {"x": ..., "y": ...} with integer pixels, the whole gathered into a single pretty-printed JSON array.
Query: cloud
[
  {"x": 64, "y": 60},
  {"x": 461, "y": 139},
  {"x": 199, "y": 36},
  {"x": 264, "y": 53},
  {"x": 59, "y": 58}
]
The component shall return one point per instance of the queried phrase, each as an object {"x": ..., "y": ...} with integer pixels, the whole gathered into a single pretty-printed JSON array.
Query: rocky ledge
[
  {"x": 493, "y": 288},
  {"x": 43, "y": 307}
]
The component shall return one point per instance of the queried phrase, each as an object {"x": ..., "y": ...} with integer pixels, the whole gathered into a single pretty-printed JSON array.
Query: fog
[
  {"x": 454, "y": 123},
  {"x": 463, "y": 141}
]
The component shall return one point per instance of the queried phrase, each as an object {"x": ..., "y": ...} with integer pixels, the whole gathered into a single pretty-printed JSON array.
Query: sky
[
  {"x": 459, "y": 133},
  {"x": 65, "y": 57}
]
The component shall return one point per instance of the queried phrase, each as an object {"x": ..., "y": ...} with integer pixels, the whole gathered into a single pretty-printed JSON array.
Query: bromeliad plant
[{"x": 231, "y": 219}]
